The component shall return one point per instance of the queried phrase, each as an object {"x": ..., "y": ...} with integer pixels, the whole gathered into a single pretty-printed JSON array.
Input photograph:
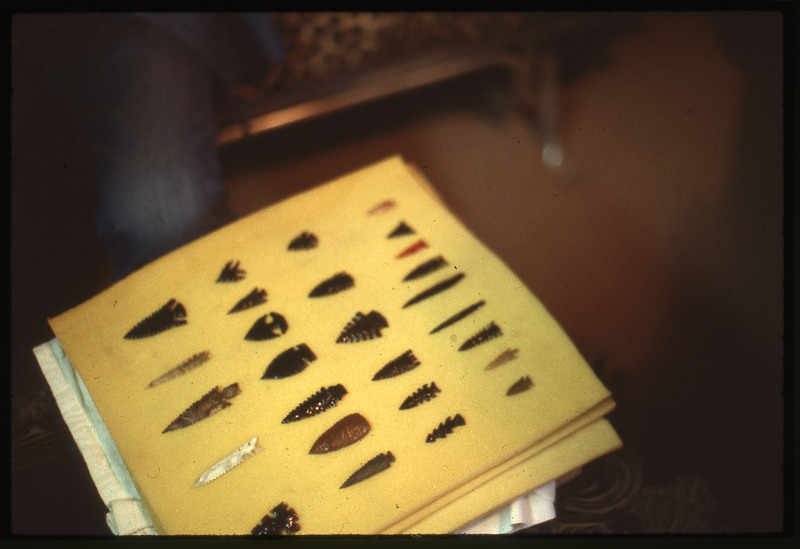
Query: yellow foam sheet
[
  {"x": 571, "y": 452},
  {"x": 494, "y": 488},
  {"x": 498, "y": 427}
]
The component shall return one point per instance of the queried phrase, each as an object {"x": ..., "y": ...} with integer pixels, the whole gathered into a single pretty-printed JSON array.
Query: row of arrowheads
[{"x": 294, "y": 360}]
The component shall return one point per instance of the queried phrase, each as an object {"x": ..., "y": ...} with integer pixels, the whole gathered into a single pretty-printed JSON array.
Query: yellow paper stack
[{"x": 508, "y": 445}]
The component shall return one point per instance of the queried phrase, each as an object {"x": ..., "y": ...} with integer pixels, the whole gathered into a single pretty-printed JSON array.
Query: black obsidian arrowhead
[
  {"x": 257, "y": 296},
  {"x": 401, "y": 230},
  {"x": 170, "y": 315},
  {"x": 290, "y": 362},
  {"x": 521, "y": 385},
  {"x": 379, "y": 463},
  {"x": 269, "y": 326},
  {"x": 322, "y": 400},
  {"x": 461, "y": 315},
  {"x": 304, "y": 241},
  {"x": 426, "y": 268},
  {"x": 231, "y": 272},
  {"x": 335, "y": 284},
  {"x": 423, "y": 394},
  {"x": 403, "y": 363},
  {"x": 446, "y": 427},
  {"x": 283, "y": 521},
  {"x": 435, "y": 289},
  {"x": 490, "y": 332},
  {"x": 363, "y": 327}
]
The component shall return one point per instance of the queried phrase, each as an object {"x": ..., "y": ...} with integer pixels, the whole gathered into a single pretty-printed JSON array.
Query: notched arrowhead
[
  {"x": 256, "y": 297},
  {"x": 363, "y": 327},
  {"x": 446, "y": 427},
  {"x": 488, "y": 333},
  {"x": 343, "y": 433},
  {"x": 423, "y": 394},
  {"x": 304, "y": 241},
  {"x": 231, "y": 273},
  {"x": 519, "y": 386},
  {"x": 172, "y": 314},
  {"x": 403, "y": 363},
  {"x": 269, "y": 326},
  {"x": 212, "y": 402},
  {"x": 283, "y": 520},
  {"x": 325, "y": 398}
]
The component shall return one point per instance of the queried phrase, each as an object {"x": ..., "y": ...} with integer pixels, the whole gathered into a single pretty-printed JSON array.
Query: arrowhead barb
[
  {"x": 170, "y": 315},
  {"x": 363, "y": 327}
]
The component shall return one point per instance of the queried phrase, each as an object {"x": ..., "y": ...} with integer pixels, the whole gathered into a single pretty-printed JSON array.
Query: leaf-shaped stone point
[
  {"x": 379, "y": 463},
  {"x": 343, "y": 433},
  {"x": 290, "y": 362},
  {"x": 335, "y": 284}
]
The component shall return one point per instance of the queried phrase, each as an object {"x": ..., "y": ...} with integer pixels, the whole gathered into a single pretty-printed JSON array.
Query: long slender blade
[
  {"x": 459, "y": 316},
  {"x": 433, "y": 290},
  {"x": 235, "y": 458},
  {"x": 187, "y": 365}
]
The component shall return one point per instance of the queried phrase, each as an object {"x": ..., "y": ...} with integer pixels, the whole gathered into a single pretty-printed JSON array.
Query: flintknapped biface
[
  {"x": 379, "y": 463},
  {"x": 212, "y": 402},
  {"x": 269, "y": 326},
  {"x": 172, "y": 314},
  {"x": 322, "y": 400},
  {"x": 290, "y": 362},
  {"x": 304, "y": 241},
  {"x": 423, "y": 394},
  {"x": 403, "y": 363},
  {"x": 257, "y": 296},
  {"x": 343, "y": 433},
  {"x": 363, "y": 327},
  {"x": 337, "y": 283}
]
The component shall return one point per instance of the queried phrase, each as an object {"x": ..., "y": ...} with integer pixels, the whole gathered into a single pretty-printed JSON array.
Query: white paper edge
[
  {"x": 528, "y": 510},
  {"x": 127, "y": 515}
]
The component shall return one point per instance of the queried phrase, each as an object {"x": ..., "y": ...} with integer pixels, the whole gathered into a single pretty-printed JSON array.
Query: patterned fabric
[
  {"x": 320, "y": 45},
  {"x": 37, "y": 431}
]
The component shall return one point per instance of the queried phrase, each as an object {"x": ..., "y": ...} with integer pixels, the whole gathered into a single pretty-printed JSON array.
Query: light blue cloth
[{"x": 115, "y": 485}]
